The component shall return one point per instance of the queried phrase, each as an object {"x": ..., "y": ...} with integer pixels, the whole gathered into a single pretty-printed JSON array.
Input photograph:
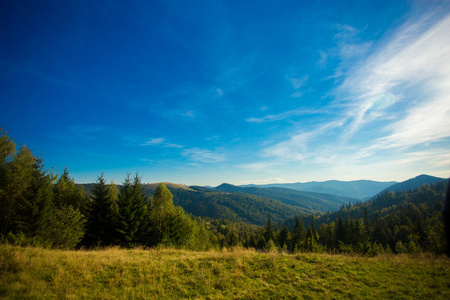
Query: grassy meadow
[{"x": 166, "y": 273}]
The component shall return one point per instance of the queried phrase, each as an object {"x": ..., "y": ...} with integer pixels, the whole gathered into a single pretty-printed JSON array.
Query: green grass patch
[{"x": 166, "y": 273}]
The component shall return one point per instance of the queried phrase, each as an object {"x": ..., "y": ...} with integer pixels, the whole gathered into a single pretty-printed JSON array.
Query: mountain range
[
  {"x": 421, "y": 192},
  {"x": 252, "y": 204},
  {"x": 358, "y": 189},
  {"x": 309, "y": 201}
]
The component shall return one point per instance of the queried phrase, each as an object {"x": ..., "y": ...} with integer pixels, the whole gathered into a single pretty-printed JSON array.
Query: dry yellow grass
[{"x": 116, "y": 273}]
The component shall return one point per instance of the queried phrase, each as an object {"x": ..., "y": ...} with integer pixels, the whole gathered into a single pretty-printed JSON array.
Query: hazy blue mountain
[
  {"x": 358, "y": 189},
  {"x": 308, "y": 200},
  {"x": 413, "y": 183}
]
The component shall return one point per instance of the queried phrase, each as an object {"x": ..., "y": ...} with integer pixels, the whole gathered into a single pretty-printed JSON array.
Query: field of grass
[{"x": 244, "y": 274}]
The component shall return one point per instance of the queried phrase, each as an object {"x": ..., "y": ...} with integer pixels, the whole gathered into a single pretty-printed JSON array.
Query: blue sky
[{"x": 205, "y": 92}]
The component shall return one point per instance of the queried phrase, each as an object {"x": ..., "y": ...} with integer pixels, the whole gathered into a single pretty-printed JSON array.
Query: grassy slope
[{"x": 126, "y": 274}]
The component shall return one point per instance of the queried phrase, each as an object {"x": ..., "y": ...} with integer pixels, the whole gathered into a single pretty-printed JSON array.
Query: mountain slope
[
  {"x": 413, "y": 183},
  {"x": 309, "y": 201},
  {"x": 427, "y": 195},
  {"x": 237, "y": 207},
  {"x": 358, "y": 189}
]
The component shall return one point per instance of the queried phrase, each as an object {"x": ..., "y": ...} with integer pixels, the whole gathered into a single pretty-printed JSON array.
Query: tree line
[
  {"x": 401, "y": 222},
  {"x": 38, "y": 207}
]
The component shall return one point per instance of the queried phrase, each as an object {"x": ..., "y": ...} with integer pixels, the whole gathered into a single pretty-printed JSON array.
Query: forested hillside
[
  {"x": 402, "y": 221},
  {"x": 413, "y": 183},
  {"x": 237, "y": 207},
  {"x": 309, "y": 201}
]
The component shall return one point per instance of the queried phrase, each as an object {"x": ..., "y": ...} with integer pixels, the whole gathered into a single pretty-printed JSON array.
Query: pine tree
[
  {"x": 132, "y": 213},
  {"x": 66, "y": 193},
  {"x": 27, "y": 201},
  {"x": 299, "y": 234},
  {"x": 368, "y": 231},
  {"x": 268, "y": 232},
  {"x": 311, "y": 240},
  {"x": 113, "y": 194},
  {"x": 313, "y": 226},
  {"x": 103, "y": 215},
  {"x": 16, "y": 178},
  {"x": 284, "y": 238},
  {"x": 340, "y": 231},
  {"x": 326, "y": 236},
  {"x": 181, "y": 229},
  {"x": 36, "y": 205},
  {"x": 378, "y": 231},
  {"x": 7, "y": 149},
  {"x": 357, "y": 233}
]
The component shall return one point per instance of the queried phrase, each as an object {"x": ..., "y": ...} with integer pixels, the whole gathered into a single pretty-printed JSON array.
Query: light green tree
[
  {"x": 161, "y": 212},
  {"x": 66, "y": 193},
  {"x": 15, "y": 180}
]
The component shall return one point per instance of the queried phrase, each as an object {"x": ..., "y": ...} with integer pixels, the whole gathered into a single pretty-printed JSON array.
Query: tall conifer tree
[
  {"x": 66, "y": 193},
  {"x": 269, "y": 233},
  {"x": 132, "y": 212},
  {"x": 103, "y": 215}
]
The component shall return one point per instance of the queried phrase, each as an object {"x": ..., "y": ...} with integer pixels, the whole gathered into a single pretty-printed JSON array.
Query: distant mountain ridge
[
  {"x": 251, "y": 204},
  {"x": 236, "y": 207},
  {"x": 413, "y": 183},
  {"x": 358, "y": 189},
  {"x": 386, "y": 202},
  {"x": 309, "y": 201}
]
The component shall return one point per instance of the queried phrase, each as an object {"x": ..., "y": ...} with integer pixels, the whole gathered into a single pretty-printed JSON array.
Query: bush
[
  {"x": 62, "y": 229},
  {"x": 400, "y": 248},
  {"x": 270, "y": 247}
]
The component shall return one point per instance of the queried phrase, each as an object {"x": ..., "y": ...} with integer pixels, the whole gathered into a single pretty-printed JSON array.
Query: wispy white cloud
[
  {"x": 354, "y": 50},
  {"x": 285, "y": 115},
  {"x": 259, "y": 166},
  {"x": 161, "y": 142},
  {"x": 413, "y": 67},
  {"x": 297, "y": 94},
  {"x": 204, "y": 155},
  {"x": 396, "y": 99},
  {"x": 170, "y": 145},
  {"x": 298, "y": 82},
  {"x": 322, "y": 62},
  {"x": 190, "y": 114},
  {"x": 349, "y": 45},
  {"x": 345, "y": 31},
  {"x": 297, "y": 147},
  {"x": 262, "y": 181},
  {"x": 152, "y": 142}
]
